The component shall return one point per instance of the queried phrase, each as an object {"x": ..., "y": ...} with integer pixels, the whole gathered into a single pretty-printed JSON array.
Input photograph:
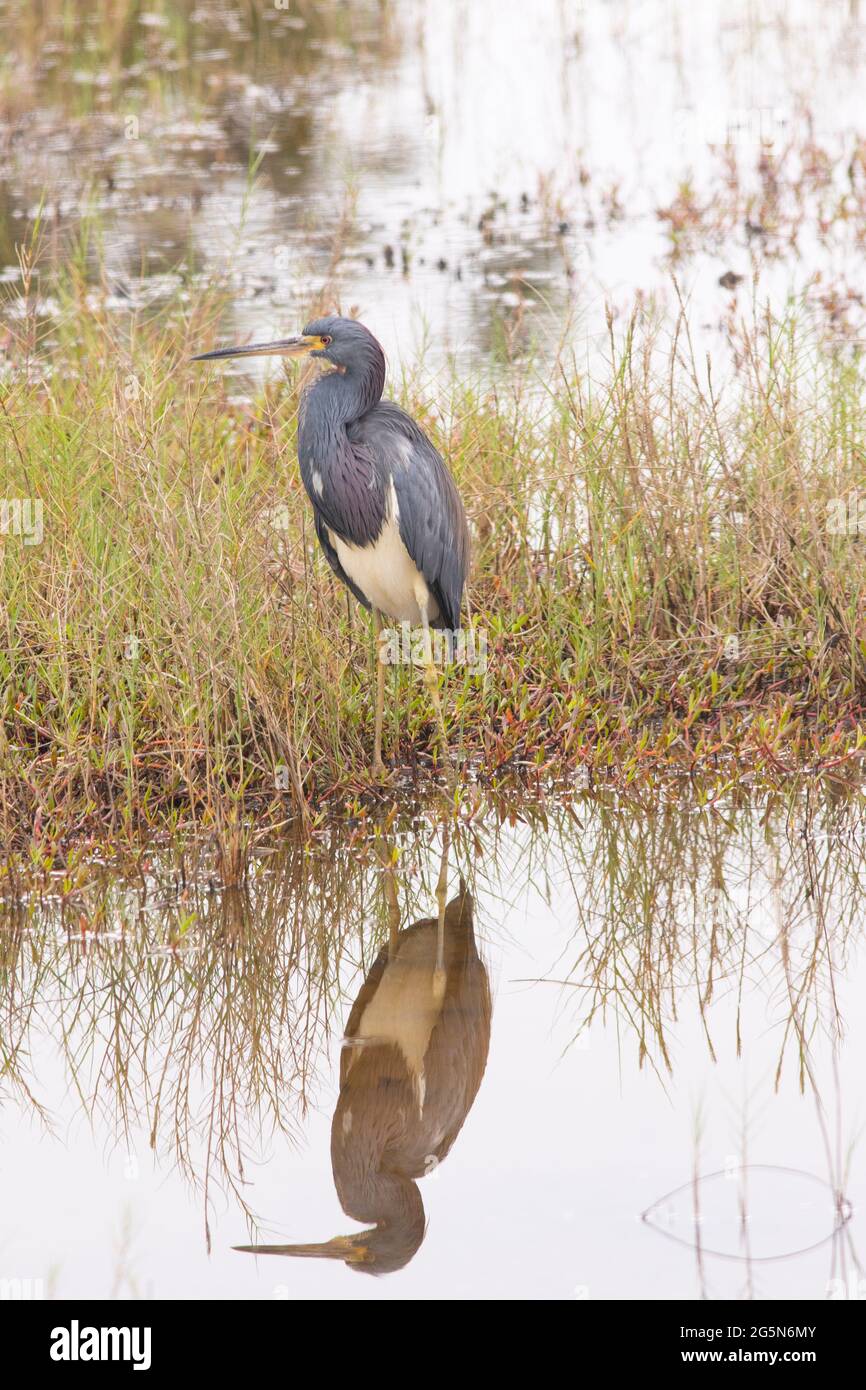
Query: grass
[{"x": 653, "y": 568}]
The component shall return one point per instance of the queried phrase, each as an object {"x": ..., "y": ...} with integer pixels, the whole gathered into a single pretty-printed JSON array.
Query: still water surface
[
  {"x": 468, "y": 176},
  {"x": 675, "y": 993}
]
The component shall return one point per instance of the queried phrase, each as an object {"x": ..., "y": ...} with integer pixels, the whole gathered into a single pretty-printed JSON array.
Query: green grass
[{"x": 626, "y": 528}]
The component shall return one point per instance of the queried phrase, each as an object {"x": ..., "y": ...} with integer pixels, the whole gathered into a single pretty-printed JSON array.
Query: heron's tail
[{"x": 458, "y": 913}]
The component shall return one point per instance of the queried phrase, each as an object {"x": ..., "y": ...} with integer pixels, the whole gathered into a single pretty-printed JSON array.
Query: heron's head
[
  {"x": 345, "y": 343},
  {"x": 380, "y": 1250}
]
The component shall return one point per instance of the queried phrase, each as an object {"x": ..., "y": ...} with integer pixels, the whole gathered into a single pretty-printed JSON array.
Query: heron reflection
[{"x": 414, "y": 1052}]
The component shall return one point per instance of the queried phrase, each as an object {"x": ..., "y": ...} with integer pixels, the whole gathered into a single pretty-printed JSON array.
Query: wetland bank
[{"x": 646, "y": 377}]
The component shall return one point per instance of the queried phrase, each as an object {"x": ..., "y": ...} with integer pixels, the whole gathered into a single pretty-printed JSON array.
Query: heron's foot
[{"x": 379, "y": 772}]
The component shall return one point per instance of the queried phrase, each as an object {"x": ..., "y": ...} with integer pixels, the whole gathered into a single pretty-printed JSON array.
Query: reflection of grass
[
  {"x": 713, "y": 905},
  {"x": 192, "y": 1011},
  {"x": 176, "y": 638},
  {"x": 198, "y": 1013}
]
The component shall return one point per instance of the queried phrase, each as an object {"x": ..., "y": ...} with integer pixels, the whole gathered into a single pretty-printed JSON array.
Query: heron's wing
[
  {"x": 334, "y": 560},
  {"x": 457, "y": 1056},
  {"x": 432, "y": 520}
]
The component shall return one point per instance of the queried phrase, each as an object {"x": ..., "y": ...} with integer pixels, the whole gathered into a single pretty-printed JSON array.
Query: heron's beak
[
  {"x": 352, "y": 1249},
  {"x": 281, "y": 347}
]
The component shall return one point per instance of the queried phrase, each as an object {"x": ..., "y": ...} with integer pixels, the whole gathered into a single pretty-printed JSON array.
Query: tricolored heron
[
  {"x": 388, "y": 514},
  {"x": 414, "y": 1053}
]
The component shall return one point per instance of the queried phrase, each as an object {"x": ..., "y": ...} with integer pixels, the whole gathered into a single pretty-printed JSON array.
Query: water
[
  {"x": 675, "y": 994},
  {"x": 470, "y": 177}
]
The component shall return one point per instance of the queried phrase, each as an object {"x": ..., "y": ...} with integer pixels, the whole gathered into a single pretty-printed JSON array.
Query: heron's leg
[
  {"x": 378, "y": 765},
  {"x": 431, "y": 680},
  {"x": 387, "y": 855},
  {"x": 439, "y": 979},
  {"x": 393, "y": 908}
]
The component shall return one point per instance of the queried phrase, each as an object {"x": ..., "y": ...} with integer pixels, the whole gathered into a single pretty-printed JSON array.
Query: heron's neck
[
  {"x": 381, "y": 1199},
  {"x": 343, "y": 396}
]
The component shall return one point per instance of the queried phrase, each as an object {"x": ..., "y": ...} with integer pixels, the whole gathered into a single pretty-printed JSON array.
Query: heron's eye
[{"x": 325, "y": 340}]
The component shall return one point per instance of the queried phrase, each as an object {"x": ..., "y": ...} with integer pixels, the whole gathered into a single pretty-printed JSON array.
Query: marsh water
[
  {"x": 671, "y": 1092},
  {"x": 470, "y": 177}
]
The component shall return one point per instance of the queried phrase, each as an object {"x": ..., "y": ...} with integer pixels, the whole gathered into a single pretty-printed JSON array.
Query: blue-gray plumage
[
  {"x": 363, "y": 459},
  {"x": 387, "y": 512}
]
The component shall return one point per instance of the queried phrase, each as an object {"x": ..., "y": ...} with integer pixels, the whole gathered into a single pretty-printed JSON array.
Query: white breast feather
[
  {"x": 385, "y": 572},
  {"x": 405, "y": 1007}
]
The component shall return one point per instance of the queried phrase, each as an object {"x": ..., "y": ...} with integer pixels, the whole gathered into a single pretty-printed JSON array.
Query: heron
[
  {"x": 413, "y": 1057},
  {"x": 388, "y": 514}
]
